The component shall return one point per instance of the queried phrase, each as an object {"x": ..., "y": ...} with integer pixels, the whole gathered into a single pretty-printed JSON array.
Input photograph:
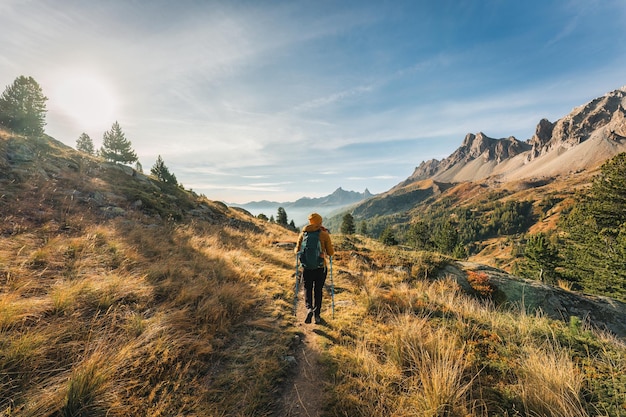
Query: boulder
[{"x": 600, "y": 312}]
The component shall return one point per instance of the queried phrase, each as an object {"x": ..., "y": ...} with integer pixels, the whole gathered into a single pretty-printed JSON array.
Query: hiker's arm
[
  {"x": 328, "y": 245},
  {"x": 298, "y": 243}
]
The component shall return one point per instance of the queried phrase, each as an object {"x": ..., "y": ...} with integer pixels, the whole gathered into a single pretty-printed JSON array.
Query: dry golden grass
[
  {"x": 409, "y": 346},
  {"x": 128, "y": 318},
  {"x": 550, "y": 383}
]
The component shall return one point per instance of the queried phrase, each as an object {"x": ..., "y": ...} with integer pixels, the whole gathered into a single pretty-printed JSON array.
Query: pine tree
[
  {"x": 387, "y": 237},
  {"x": 418, "y": 235},
  {"x": 23, "y": 107},
  {"x": 85, "y": 144},
  {"x": 115, "y": 146},
  {"x": 162, "y": 173},
  {"x": 282, "y": 216},
  {"x": 540, "y": 259},
  {"x": 363, "y": 228},
  {"x": 347, "y": 224},
  {"x": 594, "y": 252},
  {"x": 445, "y": 237}
]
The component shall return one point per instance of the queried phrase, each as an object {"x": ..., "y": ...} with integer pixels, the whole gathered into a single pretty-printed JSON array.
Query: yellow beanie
[{"x": 315, "y": 218}]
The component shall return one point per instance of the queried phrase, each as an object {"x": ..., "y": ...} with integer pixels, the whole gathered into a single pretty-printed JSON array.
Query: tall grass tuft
[
  {"x": 87, "y": 389},
  {"x": 550, "y": 383},
  {"x": 435, "y": 364}
]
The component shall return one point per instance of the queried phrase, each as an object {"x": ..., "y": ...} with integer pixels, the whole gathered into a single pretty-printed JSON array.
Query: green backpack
[{"x": 310, "y": 254}]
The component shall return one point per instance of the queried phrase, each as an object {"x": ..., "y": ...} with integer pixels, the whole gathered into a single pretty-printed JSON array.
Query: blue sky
[{"x": 276, "y": 100}]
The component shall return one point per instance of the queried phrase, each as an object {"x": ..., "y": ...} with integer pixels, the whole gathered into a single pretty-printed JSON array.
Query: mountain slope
[
  {"x": 124, "y": 296},
  {"x": 495, "y": 191}
]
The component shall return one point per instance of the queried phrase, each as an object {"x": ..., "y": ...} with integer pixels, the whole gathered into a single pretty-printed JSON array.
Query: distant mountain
[
  {"x": 339, "y": 197},
  {"x": 298, "y": 210}
]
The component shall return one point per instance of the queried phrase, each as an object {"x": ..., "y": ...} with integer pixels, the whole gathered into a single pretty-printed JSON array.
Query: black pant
[{"x": 313, "y": 286}]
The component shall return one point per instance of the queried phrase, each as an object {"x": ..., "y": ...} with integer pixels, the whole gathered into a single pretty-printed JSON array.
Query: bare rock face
[
  {"x": 489, "y": 149},
  {"x": 578, "y": 126},
  {"x": 543, "y": 134},
  {"x": 479, "y": 146},
  {"x": 600, "y": 312}
]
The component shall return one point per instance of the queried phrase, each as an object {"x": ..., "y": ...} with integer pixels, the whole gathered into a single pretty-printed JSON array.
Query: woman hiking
[{"x": 313, "y": 246}]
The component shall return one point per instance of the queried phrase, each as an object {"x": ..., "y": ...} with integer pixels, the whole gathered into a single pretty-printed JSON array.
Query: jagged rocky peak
[
  {"x": 543, "y": 134},
  {"x": 580, "y": 123},
  {"x": 603, "y": 118},
  {"x": 490, "y": 149},
  {"x": 425, "y": 170},
  {"x": 474, "y": 145}
]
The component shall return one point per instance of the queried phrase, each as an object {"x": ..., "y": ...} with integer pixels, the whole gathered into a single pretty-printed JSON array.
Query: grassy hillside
[
  {"x": 121, "y": 296},
  {"x": 405, "y": 344}
]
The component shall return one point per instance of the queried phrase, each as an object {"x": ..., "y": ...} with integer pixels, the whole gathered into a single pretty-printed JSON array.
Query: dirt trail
[{"x": 304, "y": 393}]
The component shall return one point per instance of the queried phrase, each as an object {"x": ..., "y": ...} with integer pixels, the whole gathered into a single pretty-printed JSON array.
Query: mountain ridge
[
  {"x": 337, "y": 197},
  {"x": 601, "y": 123},
  {"x": 298, "y": 210}
]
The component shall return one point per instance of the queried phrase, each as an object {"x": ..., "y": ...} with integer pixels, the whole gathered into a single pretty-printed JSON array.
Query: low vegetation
[{"x": 129, "y": 318}]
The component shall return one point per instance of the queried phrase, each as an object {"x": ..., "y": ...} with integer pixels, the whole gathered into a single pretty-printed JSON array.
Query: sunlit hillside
[
  {"x": 124, "y": 296},
  {"x": 121, "y": 296}
]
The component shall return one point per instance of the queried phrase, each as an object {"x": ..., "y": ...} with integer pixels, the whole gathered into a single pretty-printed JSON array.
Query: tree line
[{"x": 23, "y": 111}]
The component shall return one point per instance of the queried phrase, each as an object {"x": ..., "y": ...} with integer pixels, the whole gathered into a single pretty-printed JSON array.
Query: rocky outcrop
[
  {"x": 425, "y": 170},
  {"x": 543, "y": 134},
  {"x": 599, "y": 312},
  {"x": 580, "y": 124}
]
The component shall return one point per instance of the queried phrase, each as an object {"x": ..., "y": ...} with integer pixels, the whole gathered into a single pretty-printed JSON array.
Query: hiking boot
[
  {"x": 309, "y": 316},
  {"x": 318, "y": 319}
]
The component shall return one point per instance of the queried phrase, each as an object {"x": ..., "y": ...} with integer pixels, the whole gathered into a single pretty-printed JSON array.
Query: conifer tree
[
  {"x": 418, "y": 235},
  {"x": 540, "y": 259},
  {"x": 85, "y": 144},
  {"x": 115, "y": 146},
  {"x": 387, "y": 237},
  {"x": 23, "y": 107},
  {"x": 363, "y": 228},
  {"x": 163, "y": 174},
  {"x": 282, "y": 217},
  {"x": 347, "y": 224},
  {"x": 595, "y": 233},
  {"x": 445, "y": 237}
]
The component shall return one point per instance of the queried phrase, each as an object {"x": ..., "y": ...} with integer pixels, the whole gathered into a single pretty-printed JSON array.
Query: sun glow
[{"x": 86, "y": 99}]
